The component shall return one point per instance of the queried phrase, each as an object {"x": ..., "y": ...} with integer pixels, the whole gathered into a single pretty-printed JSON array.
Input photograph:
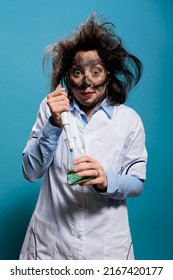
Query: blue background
[{"x": 26, "y": 29}]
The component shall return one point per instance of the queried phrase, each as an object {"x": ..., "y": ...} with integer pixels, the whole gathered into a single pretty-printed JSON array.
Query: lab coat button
[{"x": 78, "y": 236}]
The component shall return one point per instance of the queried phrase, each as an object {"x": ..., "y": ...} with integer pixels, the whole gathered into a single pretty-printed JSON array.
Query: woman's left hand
[{"x": 87, "y": 166}]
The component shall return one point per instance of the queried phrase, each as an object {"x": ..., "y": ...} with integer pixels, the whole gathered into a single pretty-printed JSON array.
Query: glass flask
[{"x": 72, "y": 177}]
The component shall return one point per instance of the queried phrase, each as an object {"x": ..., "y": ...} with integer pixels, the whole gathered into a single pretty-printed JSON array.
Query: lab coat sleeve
[
  {"x": 135, "y": 154},
  {"x": 129, "y": 182},
  {"x": 123, "y": 186},
  {"x": 39, "y": 151}
]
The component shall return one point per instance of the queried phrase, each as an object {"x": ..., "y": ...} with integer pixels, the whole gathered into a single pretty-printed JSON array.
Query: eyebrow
[{"x": 78, "y": 62}]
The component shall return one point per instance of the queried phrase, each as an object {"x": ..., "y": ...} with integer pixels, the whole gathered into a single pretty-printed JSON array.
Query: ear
[{"x": 108, "y": 78}]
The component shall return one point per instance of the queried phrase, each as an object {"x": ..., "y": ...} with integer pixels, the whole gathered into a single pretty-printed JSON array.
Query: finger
[
  {"x": 58, "y": 100},
  {"x": 88, "y": 173},
  {"x": 58, "y": 103},
  {"x": 57, "y": 110},
  {"x": 84, "y": 159},
  {"x": 57, "y": 93},
  {"x": 86, "y": 166},
  {"x": 59, "y": 87},
  {"x": 100, "y": 182}
]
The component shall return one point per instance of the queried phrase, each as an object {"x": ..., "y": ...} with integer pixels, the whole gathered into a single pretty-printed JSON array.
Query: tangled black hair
[{"x": 94, "y": 34}]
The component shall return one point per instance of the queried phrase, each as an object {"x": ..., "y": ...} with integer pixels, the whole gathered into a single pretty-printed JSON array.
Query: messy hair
[{"x": 94, "y": 34}]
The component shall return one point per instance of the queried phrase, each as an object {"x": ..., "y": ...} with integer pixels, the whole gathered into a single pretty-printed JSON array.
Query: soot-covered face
[{"x": 88, "y": 78}]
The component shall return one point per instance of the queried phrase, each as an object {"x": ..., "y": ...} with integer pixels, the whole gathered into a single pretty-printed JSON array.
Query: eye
[
  {"x": 96, "y": 71},
  {"x": 77, "y": 72}
]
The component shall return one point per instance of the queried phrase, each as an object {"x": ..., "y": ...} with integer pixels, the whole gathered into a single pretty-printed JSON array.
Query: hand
[
  {"x": 87, "y": 166},
  {"x": 58, "y": 102}
]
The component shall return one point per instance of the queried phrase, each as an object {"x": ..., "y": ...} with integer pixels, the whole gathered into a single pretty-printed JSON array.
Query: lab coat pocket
[
  {"x": 118, "y": 247},
  {"x": 41, "y": 242}
]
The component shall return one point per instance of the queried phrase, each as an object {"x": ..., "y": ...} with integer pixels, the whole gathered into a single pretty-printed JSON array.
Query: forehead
[{"x": 85, "y": 58}]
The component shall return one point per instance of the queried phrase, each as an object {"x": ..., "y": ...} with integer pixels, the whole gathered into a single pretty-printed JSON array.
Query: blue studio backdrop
[{"x": 26, "y": 29}]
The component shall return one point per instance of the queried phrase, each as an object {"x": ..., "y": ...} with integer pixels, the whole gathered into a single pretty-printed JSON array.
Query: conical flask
[{"x": 77, "y": 152}]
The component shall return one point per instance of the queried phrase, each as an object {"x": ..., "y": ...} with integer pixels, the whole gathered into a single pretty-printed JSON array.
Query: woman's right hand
[{"x": 58, "y": 102}]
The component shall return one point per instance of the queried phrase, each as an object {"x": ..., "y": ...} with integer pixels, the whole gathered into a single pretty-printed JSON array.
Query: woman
[{"x": 87, "y": 220}]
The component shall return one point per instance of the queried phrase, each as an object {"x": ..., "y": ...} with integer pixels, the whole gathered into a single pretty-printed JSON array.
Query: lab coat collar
[{"x": 108, "y": 109}]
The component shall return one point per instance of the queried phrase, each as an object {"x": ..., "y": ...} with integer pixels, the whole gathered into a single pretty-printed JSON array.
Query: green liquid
[{"x": 73, "y": 178}]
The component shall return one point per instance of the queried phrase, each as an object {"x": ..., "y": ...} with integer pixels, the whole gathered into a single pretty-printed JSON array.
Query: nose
[{"x": 86, "y": 81}]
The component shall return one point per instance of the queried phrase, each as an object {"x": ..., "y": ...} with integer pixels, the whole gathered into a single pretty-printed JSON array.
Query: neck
[{"x": 88, "y": 110}]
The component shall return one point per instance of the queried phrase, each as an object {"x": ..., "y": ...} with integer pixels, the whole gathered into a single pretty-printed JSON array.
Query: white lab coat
[{"x": 74, "y": 222}]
